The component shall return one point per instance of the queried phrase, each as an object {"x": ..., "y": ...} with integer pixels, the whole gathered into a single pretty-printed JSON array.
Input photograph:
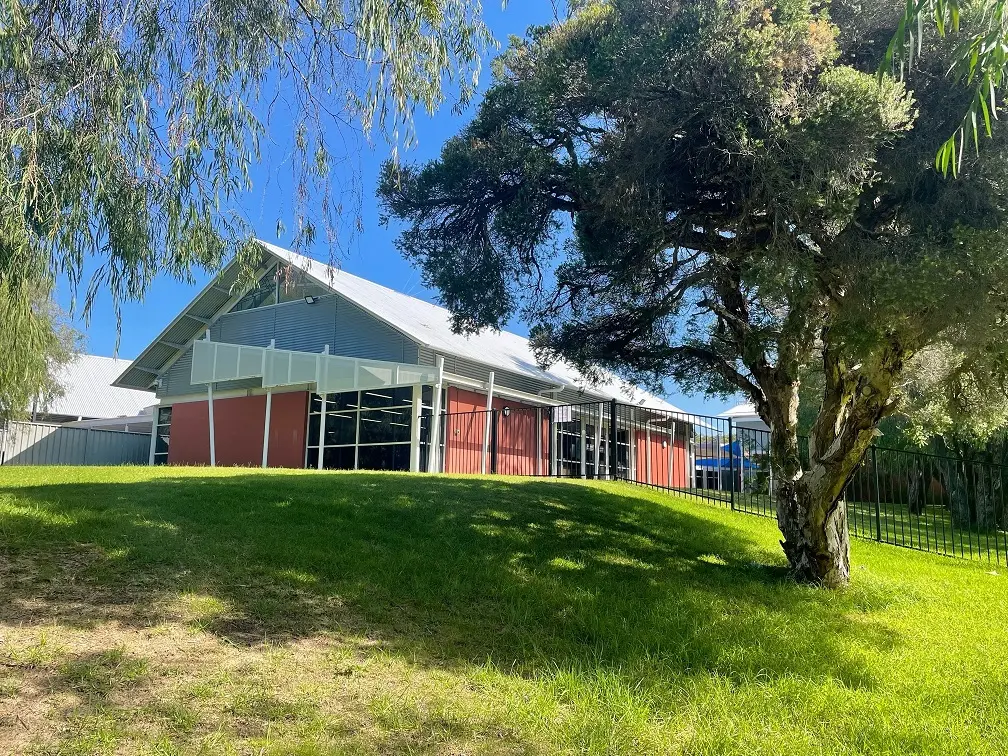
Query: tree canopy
[
  {"x": 726, "y": 194},
  {"x": 129, "y": 128}
]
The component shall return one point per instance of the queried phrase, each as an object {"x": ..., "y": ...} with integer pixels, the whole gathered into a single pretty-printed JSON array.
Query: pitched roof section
[
  {"x": 425, "y": 323},
  {"x": 430, "y": 325},
  {"x": 89, "y": 393}
]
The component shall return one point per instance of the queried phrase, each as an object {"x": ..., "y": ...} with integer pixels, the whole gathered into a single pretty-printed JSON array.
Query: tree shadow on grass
[{"x": 529, "y": 575}]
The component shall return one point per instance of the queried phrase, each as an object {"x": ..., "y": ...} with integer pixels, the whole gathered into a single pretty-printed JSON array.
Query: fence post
[
  {"x": 731, "y": 463},
  {"x": 551, "y": 445},
  {"x": 612, "y": 440},
  {"x": 878, "y": 495}
]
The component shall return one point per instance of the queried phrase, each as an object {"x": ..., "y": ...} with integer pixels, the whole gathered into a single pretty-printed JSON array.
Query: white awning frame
[{"x": 215, "y": 361}]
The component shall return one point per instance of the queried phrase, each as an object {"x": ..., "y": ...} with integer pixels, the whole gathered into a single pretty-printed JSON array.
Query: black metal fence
[{"x": 904, "y": 498}]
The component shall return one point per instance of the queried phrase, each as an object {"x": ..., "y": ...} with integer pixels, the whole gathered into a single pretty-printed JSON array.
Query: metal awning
[{"x": 215, "y": 361}]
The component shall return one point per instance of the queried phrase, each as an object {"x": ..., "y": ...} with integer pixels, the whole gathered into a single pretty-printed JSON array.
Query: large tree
[
  {"x": 728, "y": 195},
  {"x": 129, "y": 128}
]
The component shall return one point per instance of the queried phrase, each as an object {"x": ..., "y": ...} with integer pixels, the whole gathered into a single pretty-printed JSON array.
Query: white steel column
[
  {"x": 584, "y": 452},
  {"x": 486, "y": 424},
  {"x": 553, "y": 442},
  {"x": 213, "y": 446},
  {"x": 153, "y": 436},
  {"x": 266, "y": 427},
  {"x": 671, "y": 452},
  {"x": 632, "y": 451},
  {"x": 321, "y": 428},
  {"x": 269, "y": 409},
  {"x": 432, "y": 456},
  {"x": 209, "y": 388},
  {"x": 538, "y": 441},
  {"x": 416, "y": 416}
]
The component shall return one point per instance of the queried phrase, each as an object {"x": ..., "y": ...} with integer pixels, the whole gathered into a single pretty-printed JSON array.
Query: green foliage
[
  {"x": 981, "y": 62},
  {"x": 736, "y": 179},
  {"x": 35, "y": 341},
  {"x": 128, "y": 129},
  {"x": 729, "y": 195}
]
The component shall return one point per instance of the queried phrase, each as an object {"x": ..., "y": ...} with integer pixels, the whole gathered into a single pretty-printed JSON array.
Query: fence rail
[
  {"x": 904, "y": 498},
  {"x": 45, "y": 444}
]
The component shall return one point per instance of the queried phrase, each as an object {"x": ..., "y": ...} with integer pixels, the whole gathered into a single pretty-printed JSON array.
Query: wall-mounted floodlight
[{"x": 309, "y": 299}]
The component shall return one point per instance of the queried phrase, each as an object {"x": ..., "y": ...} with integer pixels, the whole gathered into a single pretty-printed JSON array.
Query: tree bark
[
  {"x": 811, "y": 512},
  {"x": 813, "y": 523}
]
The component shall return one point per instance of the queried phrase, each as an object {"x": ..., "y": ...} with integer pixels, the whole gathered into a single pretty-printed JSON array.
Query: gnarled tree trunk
[
  {"x": 811, "y": 512},
  {"x": 812, "y": 520}
]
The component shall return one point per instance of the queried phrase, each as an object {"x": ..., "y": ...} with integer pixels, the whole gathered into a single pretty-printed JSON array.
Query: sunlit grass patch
[{"x": 226, "y": 611}]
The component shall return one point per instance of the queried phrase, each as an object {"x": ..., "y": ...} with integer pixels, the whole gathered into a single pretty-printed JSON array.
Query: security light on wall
[
  {"x": 507, "y": 412},
  {"x": 309, "y": 299}
]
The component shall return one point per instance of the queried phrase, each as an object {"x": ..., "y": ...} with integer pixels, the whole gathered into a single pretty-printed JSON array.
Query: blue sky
[{"x": 372, "y": 255}]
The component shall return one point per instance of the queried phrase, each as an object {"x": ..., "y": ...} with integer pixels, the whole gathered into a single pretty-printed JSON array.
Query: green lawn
[{"x": 161, "y": 611}]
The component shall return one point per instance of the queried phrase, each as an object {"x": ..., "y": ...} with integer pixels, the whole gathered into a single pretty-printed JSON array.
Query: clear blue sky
[{"x": 372, "y": 255}]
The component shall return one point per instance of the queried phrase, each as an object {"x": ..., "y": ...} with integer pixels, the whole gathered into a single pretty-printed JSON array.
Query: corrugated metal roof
[
  {"x": 430, "y": 325},
  {"x": 427, "y": 324},
  {"x": 89, "y": 393}
]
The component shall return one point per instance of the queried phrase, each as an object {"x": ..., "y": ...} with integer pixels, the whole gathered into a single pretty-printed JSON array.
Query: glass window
[
  {"x": 358, "y": 420},
  {"x": 339, "y": 402},
  {"x": 293, "y": 284},
  {"x": 162, "y": 430},
  {"x": 384, "y": 426},
  {"x": 338, "y": 458},
  {"x": 387, "y": 457},
  {"x": 340, "y": 428},
  {"x": 378, "y": 398},
  {"x": 262, "y": 294}
]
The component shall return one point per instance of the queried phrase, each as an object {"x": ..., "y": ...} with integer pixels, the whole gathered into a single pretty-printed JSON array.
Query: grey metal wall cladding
[
  {"x": 176, "y": 380},
  {"x": 516, "y": 381},
  {"x": 361, "y": 334},
  {"x": 305, "y": 327},
  {"x": 251, "y": 327},
  {"x": 347, "y": 329},
  {"x": 39, "y": 444}
]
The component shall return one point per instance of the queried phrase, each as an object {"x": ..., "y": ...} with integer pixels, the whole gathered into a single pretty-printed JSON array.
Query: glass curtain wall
[{"x": 368, "y": 430}]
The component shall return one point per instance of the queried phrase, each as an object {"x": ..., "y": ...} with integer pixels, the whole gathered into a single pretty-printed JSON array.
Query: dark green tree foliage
[{"x": 728, "y": 195}]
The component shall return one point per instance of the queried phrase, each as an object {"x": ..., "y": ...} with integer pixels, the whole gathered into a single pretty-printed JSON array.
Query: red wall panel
[
  {"x": 189, "y": 435},
  {"x": 288, "y": 426},
  {"x": 238, "y": 428},
  {"x": 661, "y": 458},
  {"x": 516, "y": 435}
]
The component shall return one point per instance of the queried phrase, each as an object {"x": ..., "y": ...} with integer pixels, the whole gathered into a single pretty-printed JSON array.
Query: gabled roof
[
  {"x": 429, "y": 325},
  {"x": 89, "y": 391},
  {"x": 746, "y": 415}
]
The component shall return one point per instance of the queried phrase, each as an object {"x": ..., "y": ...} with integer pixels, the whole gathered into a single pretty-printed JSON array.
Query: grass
[{"x": 178, "y": 611}]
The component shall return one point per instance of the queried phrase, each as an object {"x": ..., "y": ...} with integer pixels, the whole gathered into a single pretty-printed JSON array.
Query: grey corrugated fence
[{"x": 44, "y": 444}]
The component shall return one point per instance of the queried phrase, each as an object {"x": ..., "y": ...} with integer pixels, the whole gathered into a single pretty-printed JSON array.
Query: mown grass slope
[{"x": 160, "y": 611}]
